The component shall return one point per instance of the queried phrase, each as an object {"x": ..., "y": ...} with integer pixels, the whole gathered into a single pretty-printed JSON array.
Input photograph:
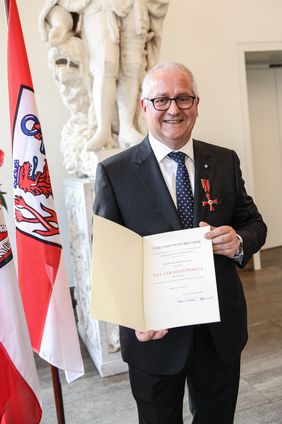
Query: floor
[{"x": 96, "y": 400}]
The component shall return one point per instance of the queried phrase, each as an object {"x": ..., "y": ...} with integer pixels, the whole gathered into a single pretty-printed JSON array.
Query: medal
[{"x": 209, "y": 202}]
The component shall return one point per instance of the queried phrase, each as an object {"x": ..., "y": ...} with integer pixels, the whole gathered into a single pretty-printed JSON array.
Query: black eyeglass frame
[{"x": 170, "y": 100}]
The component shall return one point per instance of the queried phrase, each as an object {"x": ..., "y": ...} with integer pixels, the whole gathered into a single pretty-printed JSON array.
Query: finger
[
  {"x": 225, "y": 252},
  {"x": 145, "y": 336},
  {"x": 221, "y": 234},
  {"x": 203, "y": 224},
  {"x": 228, "y": 249},
  {"x": 159, "y": 334},
  {"x": 208, "y": 235},
  {"x": 206, "y": 224}
]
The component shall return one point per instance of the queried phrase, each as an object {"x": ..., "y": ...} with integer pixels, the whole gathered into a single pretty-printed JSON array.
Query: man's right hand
[{"x": 145, "y": 336}]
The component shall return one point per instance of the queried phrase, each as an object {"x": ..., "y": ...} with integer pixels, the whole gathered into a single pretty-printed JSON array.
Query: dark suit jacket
[{"x": 131, "y": 191}]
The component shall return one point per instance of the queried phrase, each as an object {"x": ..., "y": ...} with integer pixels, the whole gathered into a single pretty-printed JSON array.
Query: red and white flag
[
  {"x": 19, "y": 389},
  {"x": 41, "y": 272}
]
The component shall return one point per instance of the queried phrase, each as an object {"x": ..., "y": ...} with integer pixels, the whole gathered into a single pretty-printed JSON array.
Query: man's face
[{"x": 172, "y": 127}]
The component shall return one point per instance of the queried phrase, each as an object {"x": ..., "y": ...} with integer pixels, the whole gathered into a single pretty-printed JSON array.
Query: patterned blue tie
[{"x": 184, "y": 195}]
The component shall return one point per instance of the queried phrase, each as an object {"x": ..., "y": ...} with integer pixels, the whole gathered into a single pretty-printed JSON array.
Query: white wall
[{"x": 208, "y": 36}]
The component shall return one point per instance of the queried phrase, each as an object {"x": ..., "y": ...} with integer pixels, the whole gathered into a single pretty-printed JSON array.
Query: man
[{"x": 138, "y": 188}]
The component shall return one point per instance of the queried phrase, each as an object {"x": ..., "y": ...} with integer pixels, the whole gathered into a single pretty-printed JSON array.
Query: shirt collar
[{"x": 161, "y": 150}]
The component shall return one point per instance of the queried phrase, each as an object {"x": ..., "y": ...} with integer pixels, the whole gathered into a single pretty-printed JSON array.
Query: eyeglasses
[{"x": 182, "y": 102}]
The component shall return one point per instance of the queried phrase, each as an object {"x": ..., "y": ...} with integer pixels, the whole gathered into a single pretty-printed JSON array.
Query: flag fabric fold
[
  {"x": 41, "y": 273},
  {"x": 19, "y": 389}
]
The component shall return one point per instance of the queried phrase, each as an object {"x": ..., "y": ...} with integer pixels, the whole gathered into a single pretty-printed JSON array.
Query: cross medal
[{"x": 210, "y": 202}]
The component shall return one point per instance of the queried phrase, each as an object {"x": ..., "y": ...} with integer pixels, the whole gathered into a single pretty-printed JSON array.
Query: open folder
[{"x": 155, "y": 282}]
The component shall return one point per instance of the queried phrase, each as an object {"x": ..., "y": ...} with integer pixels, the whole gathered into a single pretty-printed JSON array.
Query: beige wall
[{"x": 208, "y": 36}]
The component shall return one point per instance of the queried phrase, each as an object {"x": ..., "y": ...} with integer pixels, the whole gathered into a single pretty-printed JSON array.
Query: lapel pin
[{"x": 206, "y": 165}]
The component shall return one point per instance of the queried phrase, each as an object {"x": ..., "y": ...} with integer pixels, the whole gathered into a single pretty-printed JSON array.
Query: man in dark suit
[{"x": 138, "y": 189}]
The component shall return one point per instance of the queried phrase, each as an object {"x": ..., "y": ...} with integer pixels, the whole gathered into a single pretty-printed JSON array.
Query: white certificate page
[{"x": 179, "y": 284}]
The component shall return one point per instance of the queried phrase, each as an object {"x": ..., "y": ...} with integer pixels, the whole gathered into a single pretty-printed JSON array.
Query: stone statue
[{"x": 99, "y": 52}]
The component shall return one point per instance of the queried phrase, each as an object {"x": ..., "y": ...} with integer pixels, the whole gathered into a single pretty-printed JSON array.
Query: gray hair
[{"x": 148, "y": 82}]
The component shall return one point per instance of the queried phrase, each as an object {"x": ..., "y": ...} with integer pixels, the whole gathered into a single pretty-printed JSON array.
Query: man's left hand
[{"x": 224, "y": 240}]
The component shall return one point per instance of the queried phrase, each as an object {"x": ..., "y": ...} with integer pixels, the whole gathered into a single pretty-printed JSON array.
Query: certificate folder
[{"x": 155, "y": 282}]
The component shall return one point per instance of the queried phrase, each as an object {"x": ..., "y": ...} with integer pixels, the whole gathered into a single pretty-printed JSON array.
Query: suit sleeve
[{"x": 247, "y": 221}]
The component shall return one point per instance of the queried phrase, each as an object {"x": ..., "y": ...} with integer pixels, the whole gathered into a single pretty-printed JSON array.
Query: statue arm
[
  {"x": 157, "y": 11},
  {"x": 44, "y": 26}
]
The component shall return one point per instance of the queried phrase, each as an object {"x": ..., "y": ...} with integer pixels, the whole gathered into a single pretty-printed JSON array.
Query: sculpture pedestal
[{"x": 100, "y": 338}]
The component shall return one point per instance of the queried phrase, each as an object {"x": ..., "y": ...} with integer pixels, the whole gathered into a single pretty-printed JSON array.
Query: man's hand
[
  {"x": 145, "y": 336},
  {"x": 224, "y": 240}
]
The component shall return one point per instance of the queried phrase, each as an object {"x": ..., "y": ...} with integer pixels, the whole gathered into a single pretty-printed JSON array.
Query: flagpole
[
  {"x": 7, "y": 7},
  {"x": 58, "y": 395},
  {"x": 57, "y": 388}
]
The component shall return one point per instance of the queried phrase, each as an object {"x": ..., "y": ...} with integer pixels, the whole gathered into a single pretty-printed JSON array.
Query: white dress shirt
[{"x": 168, "y": 166}]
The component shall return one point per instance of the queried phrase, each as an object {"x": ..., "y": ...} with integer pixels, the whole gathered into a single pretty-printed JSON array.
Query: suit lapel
[{"x": 150, "y": 176}]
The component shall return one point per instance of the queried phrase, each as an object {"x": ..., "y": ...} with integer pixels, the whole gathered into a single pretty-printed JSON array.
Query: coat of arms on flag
[{"x": 34, "y": 214}]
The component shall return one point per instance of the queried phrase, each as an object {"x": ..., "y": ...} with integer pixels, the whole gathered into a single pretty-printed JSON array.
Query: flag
[
  {"x": 19, "y": 388},
  {"x": 41, "y": 272}
]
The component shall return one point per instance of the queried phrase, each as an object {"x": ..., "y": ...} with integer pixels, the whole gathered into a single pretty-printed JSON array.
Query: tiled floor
[{"x": 97, "y": 400}]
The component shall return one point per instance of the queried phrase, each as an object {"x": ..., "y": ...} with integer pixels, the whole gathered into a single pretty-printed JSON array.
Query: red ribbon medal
[{"x": 210, "y": 202}]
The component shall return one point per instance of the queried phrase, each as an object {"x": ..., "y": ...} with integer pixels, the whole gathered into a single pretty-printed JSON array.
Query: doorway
[{"x": 264, "y": 89}]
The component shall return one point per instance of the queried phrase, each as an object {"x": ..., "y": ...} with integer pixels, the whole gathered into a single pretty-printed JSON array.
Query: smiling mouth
[{"x": 173, "y": 121}]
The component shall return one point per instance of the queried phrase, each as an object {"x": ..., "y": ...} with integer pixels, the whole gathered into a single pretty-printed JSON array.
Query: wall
[{"x": 207, "y": 36}]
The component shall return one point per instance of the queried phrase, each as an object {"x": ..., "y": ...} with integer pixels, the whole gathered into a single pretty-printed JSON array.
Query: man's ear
[{"x": 143, "y": 105}]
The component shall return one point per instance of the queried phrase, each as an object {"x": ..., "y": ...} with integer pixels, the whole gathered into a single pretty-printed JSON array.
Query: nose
[{"x": 173, "y": 108}]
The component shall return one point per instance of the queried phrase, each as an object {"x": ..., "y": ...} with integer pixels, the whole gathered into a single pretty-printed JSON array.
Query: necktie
[{"x": 184, "y": 195}]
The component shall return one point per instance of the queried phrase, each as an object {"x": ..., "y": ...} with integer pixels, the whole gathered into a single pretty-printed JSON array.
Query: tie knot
[{"x": 179, "y": 157}]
